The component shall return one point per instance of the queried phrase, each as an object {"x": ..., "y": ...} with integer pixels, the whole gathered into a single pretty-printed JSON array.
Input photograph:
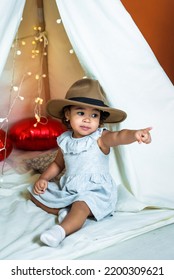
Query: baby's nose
[{"x": 87, "y": 119}]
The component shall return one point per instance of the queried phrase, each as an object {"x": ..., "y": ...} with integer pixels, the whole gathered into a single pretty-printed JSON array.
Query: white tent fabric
[
  {"x": 8, "y": 28},
  {"x": 111, "y": 49}
]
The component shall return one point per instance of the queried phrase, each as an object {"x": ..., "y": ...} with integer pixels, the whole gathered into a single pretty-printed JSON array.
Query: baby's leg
[
  {"x": 76, "y": 217},
  {"x": 43, "y": 207},
  {"x": 72, "y": 222}
]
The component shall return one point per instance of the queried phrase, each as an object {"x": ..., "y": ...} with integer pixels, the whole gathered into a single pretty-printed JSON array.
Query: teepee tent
[{"x": 96, "y": 39}]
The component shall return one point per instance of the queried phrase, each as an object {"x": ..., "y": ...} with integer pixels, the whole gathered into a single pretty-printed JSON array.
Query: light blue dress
[{"x": 87, "y": 177}]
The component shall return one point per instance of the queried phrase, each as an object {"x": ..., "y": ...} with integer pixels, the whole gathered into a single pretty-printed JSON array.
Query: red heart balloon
[
  {"x": 6, "y": 145},
  {"x": 26, "y": 136}
]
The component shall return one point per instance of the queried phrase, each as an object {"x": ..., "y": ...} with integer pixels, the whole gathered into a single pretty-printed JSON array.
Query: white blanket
[{"x": 22, "y": 223}]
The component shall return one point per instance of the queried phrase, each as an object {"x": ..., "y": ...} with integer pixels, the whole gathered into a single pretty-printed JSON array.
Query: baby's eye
[
  {"x": 80, "y": 113},
  {"x": 94, "y": 115}
]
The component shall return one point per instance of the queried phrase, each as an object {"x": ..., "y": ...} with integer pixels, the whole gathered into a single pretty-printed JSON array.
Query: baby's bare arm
[
  {"x": 125, "y": 136},
  {"x": 53, "y": 170}
]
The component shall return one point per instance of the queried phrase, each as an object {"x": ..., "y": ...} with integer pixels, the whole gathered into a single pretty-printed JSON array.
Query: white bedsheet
[{"x": 21, "y": 223}]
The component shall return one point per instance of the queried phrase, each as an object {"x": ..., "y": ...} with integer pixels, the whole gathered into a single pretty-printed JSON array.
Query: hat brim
[{"x": 55, "y": 106}]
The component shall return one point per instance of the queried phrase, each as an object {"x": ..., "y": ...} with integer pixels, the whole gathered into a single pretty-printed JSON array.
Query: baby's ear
[{"x": 67, "y": 113}]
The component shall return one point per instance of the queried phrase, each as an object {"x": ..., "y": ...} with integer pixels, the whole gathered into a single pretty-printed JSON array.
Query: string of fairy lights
[{"x": 39, "y": 43}]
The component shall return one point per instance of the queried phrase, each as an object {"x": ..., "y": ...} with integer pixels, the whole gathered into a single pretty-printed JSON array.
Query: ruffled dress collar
[{"x": 71, "y": 145}]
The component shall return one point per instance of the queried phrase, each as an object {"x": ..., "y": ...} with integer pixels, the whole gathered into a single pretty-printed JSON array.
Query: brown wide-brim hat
[{"x": 85, "y": 92}]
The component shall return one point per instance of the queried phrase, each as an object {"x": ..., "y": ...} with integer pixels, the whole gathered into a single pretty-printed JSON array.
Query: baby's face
[{"x": 83, "y": 120}]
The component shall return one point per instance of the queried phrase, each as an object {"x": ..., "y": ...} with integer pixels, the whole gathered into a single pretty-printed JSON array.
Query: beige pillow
[{"x": 41, "y": 162}]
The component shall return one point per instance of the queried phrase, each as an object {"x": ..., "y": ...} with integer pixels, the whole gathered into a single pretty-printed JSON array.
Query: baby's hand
[
  {"x": 40, "y": 186},
  {"x": 143, "y": 135}
]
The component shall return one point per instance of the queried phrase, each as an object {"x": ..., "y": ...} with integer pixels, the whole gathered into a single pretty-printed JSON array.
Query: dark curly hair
[{"x": 103, "y": 116}]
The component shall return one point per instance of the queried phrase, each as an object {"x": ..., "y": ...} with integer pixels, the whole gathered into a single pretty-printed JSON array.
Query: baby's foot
[
  {"x": 54, "y": 236},
  {"x": 62, "y": 214}
]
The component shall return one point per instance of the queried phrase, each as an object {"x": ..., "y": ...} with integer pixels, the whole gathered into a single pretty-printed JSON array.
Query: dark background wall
[{"x": 155, "y": 19}]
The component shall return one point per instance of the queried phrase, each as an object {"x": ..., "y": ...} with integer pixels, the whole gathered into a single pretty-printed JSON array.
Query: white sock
[
  {"x": 62, "y": 214},
  {"x": 54, "y": 236}
]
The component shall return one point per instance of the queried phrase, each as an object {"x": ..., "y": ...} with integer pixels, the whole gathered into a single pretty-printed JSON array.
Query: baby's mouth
[{"x": 85, "y": 127}]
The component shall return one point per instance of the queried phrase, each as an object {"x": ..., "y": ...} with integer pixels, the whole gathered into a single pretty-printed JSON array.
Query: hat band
[{"x": 87, "y": 100}]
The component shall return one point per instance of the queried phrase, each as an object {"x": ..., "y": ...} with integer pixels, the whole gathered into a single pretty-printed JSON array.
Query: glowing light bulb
[
  {"x": 45, "y": 53},
  {"x": 44, "y": 75},
  {"x": 3, "y": 119},
  {"x": 18, "y": 52},
  {"x": 23, "y": 43},
  {"x": 15, "y": 88},
  {"x": 33, "y": 42},
  {"x": 37, "y": 77},
  {"x": 37, "y": 117},
  {"x": 38, "y": 100},
  {"x": 59, "y": 20},
  {"x": 29, "y": 73},
  {"x": 71, "y": 51},
  {"x": 21, "y": 98}
]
